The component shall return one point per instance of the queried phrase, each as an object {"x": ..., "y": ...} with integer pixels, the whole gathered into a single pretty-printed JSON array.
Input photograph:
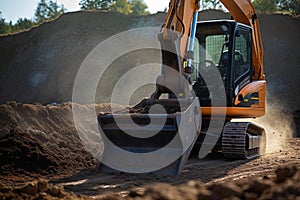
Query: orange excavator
[{"x": 212, "y": 72}]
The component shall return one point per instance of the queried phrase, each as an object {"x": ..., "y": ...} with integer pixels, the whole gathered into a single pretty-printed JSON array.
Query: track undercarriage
[{"x": 243, "y": 140}]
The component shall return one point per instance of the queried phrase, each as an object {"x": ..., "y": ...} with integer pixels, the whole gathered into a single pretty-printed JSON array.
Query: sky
[{"x": 12, "y": 10}]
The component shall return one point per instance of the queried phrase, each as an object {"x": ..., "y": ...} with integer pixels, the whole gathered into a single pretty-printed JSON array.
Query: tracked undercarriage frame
[{"x": 243, "y": 140}]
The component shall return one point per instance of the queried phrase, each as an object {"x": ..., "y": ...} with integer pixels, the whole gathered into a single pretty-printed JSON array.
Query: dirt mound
[
  {"x": 37, "y": 190},
  {"x": 285, "y": 186},
  {"x": 42, "y": 140},
  {"x": 40, "y": 65}
]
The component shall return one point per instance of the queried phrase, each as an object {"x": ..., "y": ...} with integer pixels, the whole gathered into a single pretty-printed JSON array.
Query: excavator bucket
[{"x": 143, "y": 142}]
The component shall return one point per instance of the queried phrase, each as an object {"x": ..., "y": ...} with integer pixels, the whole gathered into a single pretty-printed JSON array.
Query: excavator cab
[{"x": 225, "y": 45}]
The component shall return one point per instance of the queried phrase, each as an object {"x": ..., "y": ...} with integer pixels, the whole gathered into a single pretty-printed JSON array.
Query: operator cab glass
[{"x": 222, "y": 60}]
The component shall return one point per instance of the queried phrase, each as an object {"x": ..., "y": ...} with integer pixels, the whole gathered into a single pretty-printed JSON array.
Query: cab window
[{"x": 242, "y": 54}]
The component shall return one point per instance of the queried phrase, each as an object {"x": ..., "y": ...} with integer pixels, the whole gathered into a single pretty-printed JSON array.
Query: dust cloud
[{"x": 279, "y": 126}]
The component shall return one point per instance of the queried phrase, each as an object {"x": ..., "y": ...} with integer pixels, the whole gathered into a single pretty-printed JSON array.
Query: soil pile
[
  {"x": 40, "y": 65},
  {"x": 42, "y": 140},
  {"x": 37, "y": 190}
]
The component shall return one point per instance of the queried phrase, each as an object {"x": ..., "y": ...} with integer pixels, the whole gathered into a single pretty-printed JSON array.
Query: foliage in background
[
  {"x": 265, "y": 5},
  {"x": 47, "y": 10},
  {"x": 95, "y": 4},
  {"x": 270, "y": 6},
  {"x": 211, "y": 4},
  {"x": 121, "y": 6},
  {"x": 291, "y": 6},
  {"x": 20, "y": 25},
  {"x": 137, "y": 7},
  {"x": 4, "y": 27}
]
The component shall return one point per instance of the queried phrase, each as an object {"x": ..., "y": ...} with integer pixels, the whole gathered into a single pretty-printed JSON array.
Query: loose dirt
[
  {"x": 285, "y": 185},
  {"x": 210, "y": 170}
]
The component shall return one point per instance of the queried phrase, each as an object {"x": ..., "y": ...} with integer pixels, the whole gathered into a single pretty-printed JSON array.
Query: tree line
[
  {"x": 271, "y": 6},
  {"x": 48, "y": 10}
]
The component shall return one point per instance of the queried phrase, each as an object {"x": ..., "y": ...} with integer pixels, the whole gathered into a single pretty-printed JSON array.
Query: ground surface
[
  {"x": 213, "y": 169},
  {"x": 42, "y": 142}
]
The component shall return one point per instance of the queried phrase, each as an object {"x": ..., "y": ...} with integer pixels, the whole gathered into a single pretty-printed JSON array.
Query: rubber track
[{"x": 234, "y": 141}]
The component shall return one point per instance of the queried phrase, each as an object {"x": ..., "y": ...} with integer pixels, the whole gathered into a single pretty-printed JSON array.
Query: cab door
[{"x": 241, "y": 59}]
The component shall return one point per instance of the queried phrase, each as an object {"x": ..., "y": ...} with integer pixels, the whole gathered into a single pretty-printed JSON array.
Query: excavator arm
[
  {"x": 181, "y": 19},
  {"x": 177, "y": 43}
]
